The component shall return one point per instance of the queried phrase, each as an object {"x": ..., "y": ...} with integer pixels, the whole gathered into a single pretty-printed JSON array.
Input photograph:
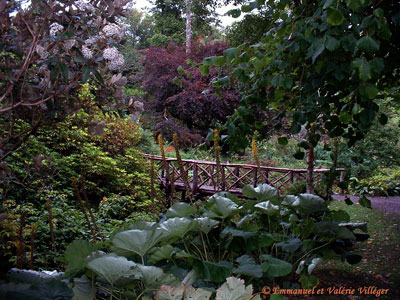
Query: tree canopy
[{"x": 324, "y": 63}]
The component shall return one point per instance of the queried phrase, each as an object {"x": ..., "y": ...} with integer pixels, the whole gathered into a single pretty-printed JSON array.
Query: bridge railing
[{"x": 203, "y": 177}]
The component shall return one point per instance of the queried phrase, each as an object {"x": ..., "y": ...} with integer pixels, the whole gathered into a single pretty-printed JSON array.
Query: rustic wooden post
[
  {"x": 291, "y": 176},
  {"x": 223, "y": 177},
  {"x": 237, "y": 174},
  {"x": 341, "y": 191},
  {"x": 266, "y": 175},
  {"x": 195, "y": 178},
  {"x": 255, "y": 171}
]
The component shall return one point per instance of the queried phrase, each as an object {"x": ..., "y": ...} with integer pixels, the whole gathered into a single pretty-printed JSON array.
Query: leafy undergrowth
[{"x": 379, "y": 267}]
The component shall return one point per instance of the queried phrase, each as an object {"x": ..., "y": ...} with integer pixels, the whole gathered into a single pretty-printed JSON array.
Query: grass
[{"x": 380, "y": 266}]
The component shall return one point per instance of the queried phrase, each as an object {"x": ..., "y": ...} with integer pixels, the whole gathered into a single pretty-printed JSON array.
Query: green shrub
[
  {"x": 300, "y": 187},
  {"x": 385, "y": 183},
  {"x": 101, "y": 148},
  {"x": 380, "y": 148},
  {"x": 159, "y": 40}
]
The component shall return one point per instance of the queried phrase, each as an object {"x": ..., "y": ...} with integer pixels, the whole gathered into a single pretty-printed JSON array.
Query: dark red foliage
[
  {"x": 186, "y": 104},
  {"x": 168, "y": 127}
]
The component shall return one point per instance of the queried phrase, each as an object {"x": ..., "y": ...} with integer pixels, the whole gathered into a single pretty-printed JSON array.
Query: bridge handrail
[{"x": 157, "y": 157}]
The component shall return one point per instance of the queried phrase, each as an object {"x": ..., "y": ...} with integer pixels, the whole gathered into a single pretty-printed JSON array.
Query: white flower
[
  {"x": 116, "y": 63},
  {"x": 90, "y": 41},
  {"x": 116, "y": 60},
  {"x": 110, "y": 53},
  {"x": 87, "y": 53},
  {"x": 85, "y": 6},
  {"x": 42, "y": 52},
  {"x": 110, "y": 30},
  {"x": 68, "y": 44},
  {"x": 54, "y": 28},
  {"x": 113, "y": 30}
]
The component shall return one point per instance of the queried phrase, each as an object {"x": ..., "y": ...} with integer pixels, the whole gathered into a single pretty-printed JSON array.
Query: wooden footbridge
[{"x": 206, "y": 177}]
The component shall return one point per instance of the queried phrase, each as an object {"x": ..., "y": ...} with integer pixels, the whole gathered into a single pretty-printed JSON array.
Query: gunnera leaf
[
  {"x": 180, "y": 209},
  {"x": 135, "y": 241},
  {"x": 234, "y": 289},
  {"x": 113, "y": 267}
]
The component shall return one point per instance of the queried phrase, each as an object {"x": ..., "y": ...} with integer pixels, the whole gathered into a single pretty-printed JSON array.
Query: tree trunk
[
  {"x": 188, "y": 26},
  {"x": 310, "y": 168}
]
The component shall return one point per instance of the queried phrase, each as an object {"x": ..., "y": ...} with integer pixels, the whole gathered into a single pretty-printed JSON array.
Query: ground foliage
[{"x": 266, "y": 240}]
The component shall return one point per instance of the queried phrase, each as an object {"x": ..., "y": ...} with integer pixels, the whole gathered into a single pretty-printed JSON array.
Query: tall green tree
[
  {"x": 139, "y": 28},
  {"x": 170, "y": 18},
  {"x": 324, "y": 64},
  {"x": 250, "y": 30}
]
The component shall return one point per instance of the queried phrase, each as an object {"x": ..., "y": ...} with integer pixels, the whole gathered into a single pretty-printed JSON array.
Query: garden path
[{"x": 387, "y": 204}]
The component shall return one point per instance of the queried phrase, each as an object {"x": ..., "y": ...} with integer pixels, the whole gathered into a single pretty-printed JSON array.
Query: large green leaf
[
  {"x": 180, "y": 209},
  {"x": 262, "y": 192},
  {"x": 135, "y": 241},
  {"x": 83, "y": 289},
  {"x": 331, "y": 43},
  {"x": 247, "y": 266},
  {"x": 345, "y": 233},
  {"x": 236, "y": 232},
  {"x": 354, "y": 4},
  {"x": 291, "y": 245},
  {"x": 368, "y": 44},
  {"x": 328, "y": 3},
  {"x": 267, "y": 207},
  {"x": 206, "y": 224},
  {"x": 231, "y": 53},
  {"x": 209, "y": 61},
  {"x": 216, "y": 272},
  {"x": 223, "y": 206},
  {"x": 364, "y": 201},
  {"x": 334, "y": 17},
  {"x": 275, "y": 267},
  {"x": 317, "y": 48},
  {"x": 161, "y": 253},
  {"x": 364, "y": 69},
  {"x": 154, "y": 277},
  {"x": 326, "y": 227},
  {"x": 248, "y": 219},
  {"x": 345, "y": 117},
  {"x": 309, "y": 203},
  {"x": 234, "y": 289},
  {"x": 221, "y": 82},
  {"x": 143, "y": 225},
  {"x": 289, "y": 200},
  {"x": 178, "y": 227},
  {"x": 85, "y": 74},
  {"x": 75, "y": 255},
  {"x": 204, "y": 70},
  {"x": 112, "y": 267}
]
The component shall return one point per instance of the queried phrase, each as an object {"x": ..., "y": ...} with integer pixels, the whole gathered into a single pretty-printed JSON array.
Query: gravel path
[{"x": 389, "y": 204}]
